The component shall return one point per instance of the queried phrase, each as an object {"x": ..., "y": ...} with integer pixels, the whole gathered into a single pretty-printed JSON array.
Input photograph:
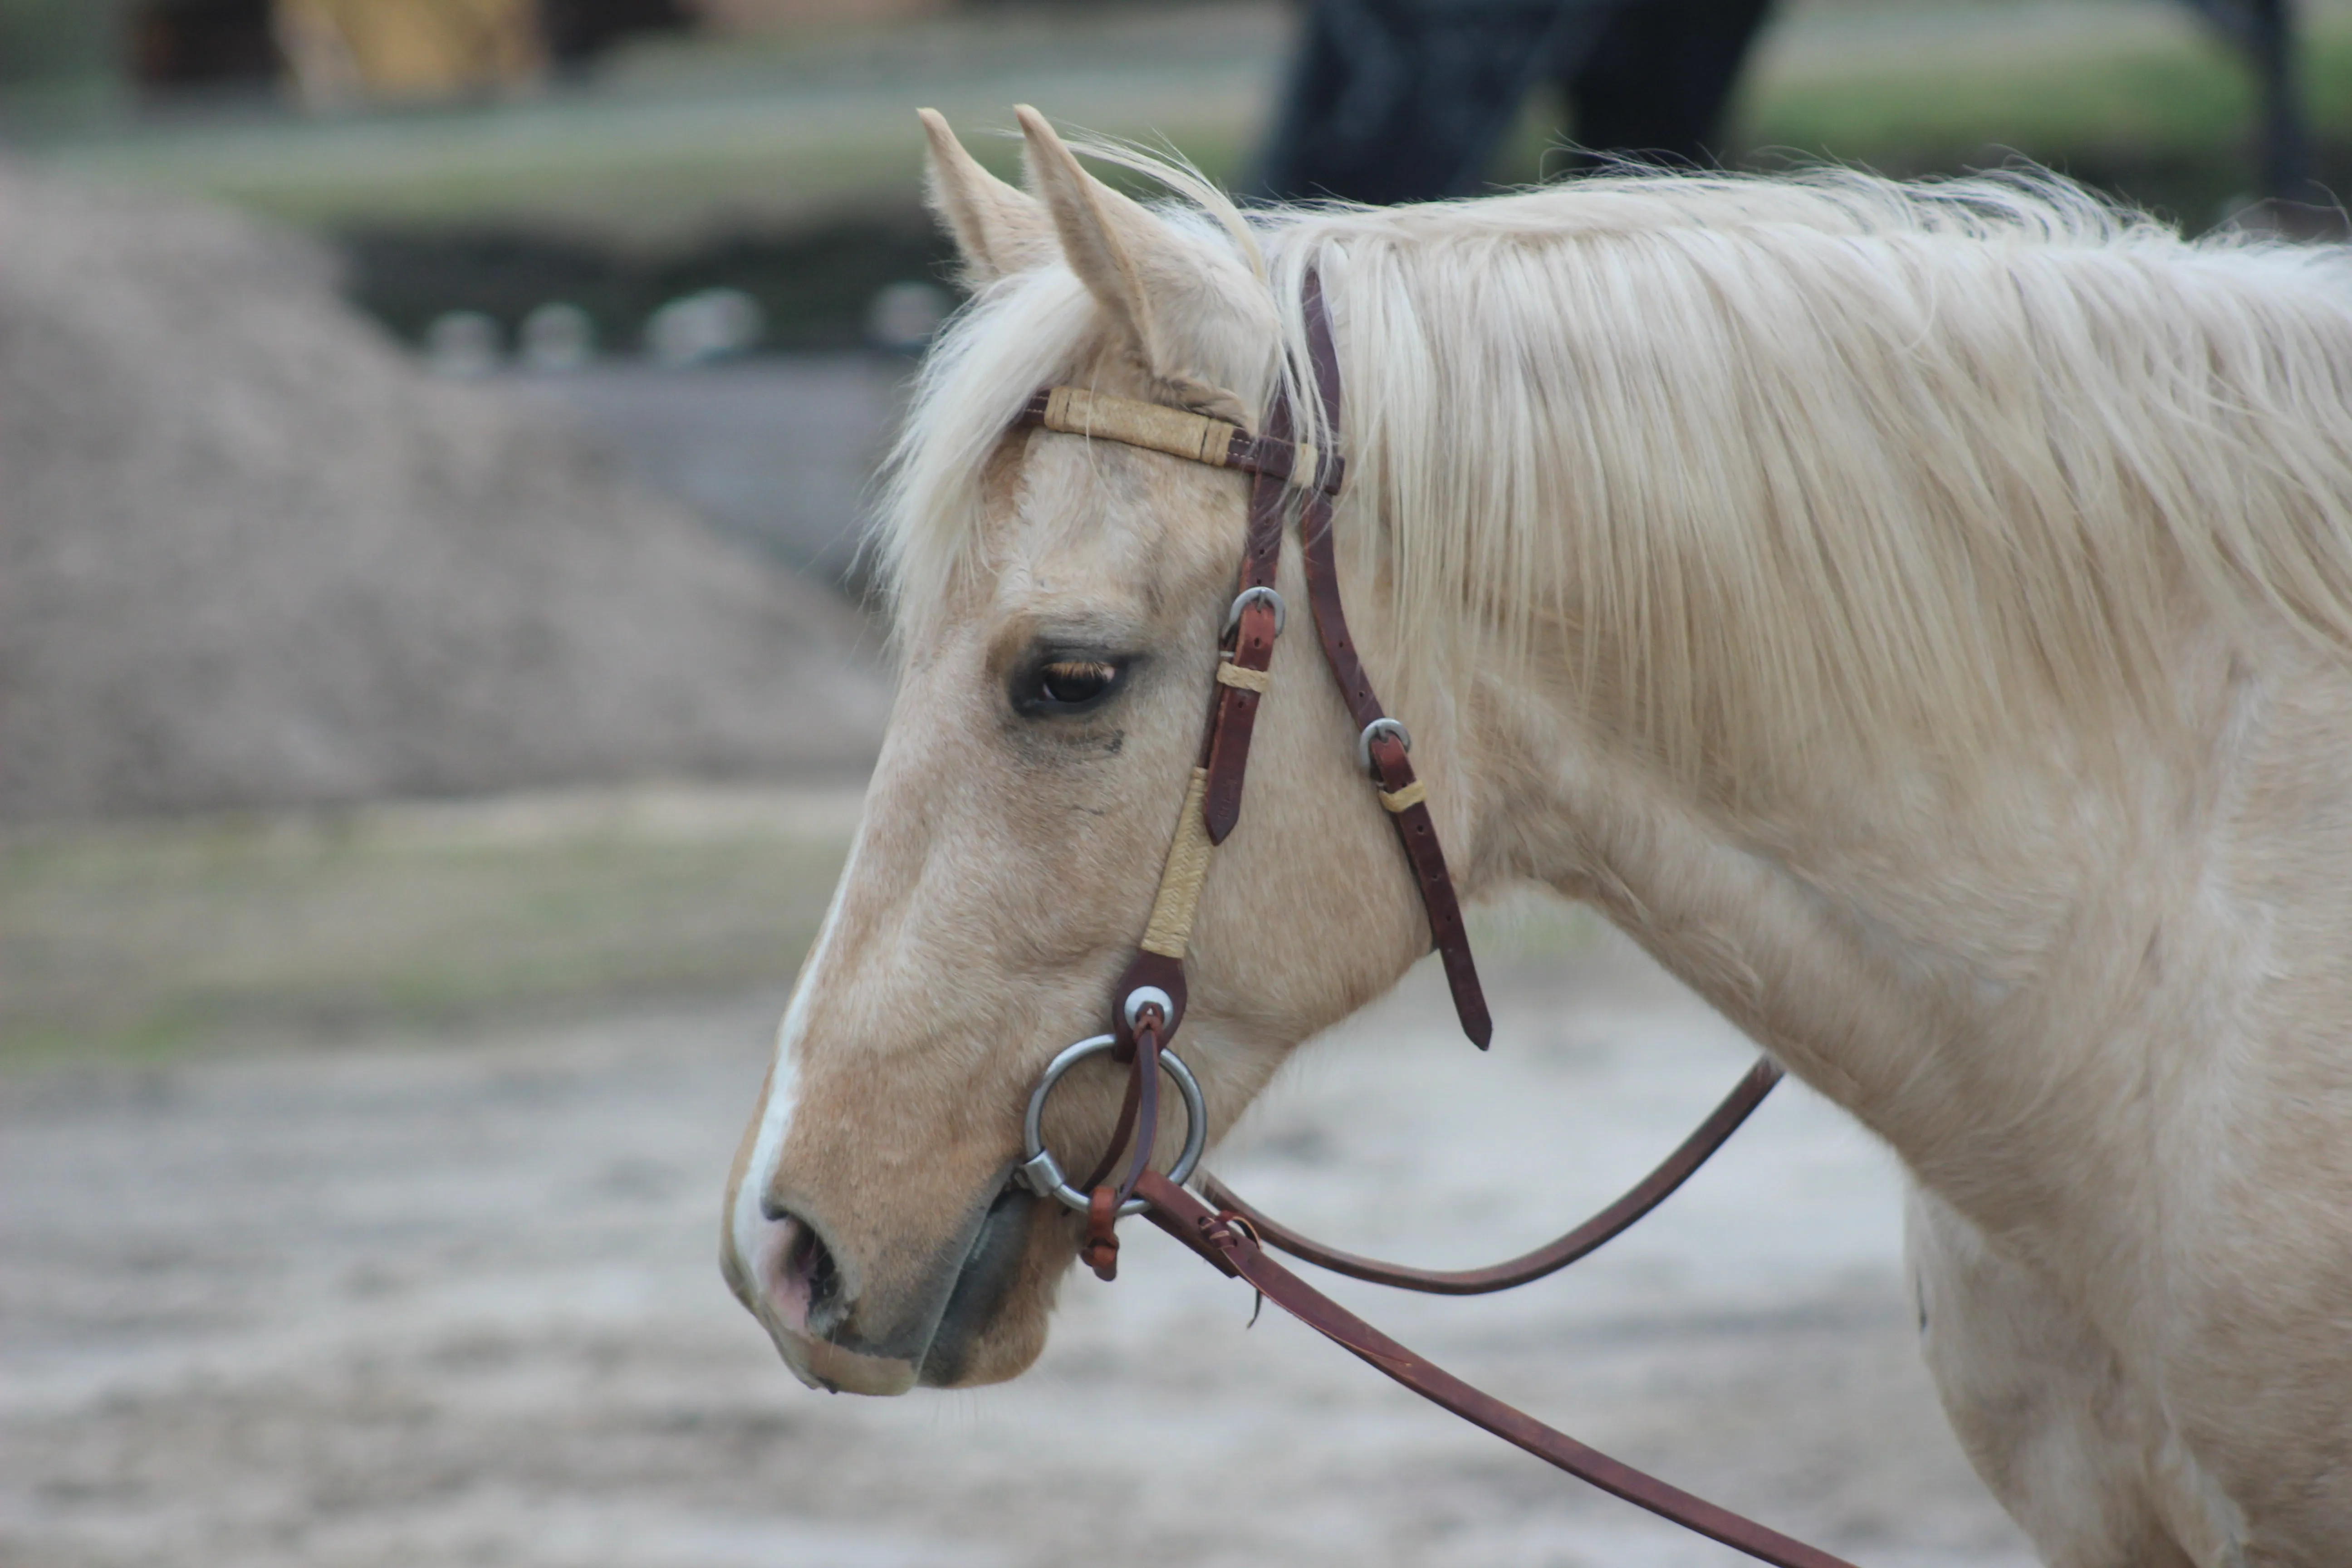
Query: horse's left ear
[
  {"x": 998, "y": 230},
  {"x": 1139, "y": 270}
]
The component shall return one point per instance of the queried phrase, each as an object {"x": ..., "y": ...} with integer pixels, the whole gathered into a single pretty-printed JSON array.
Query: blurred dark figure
[
  {"x": 183, "y": 44},
  {"x": 1400, "y": 101},
  {"x": 1655, "y": 82},
  {"x": 579, "y": 30}
]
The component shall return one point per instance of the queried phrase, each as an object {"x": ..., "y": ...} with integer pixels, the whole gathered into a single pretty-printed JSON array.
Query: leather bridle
[{"x": 1233, "y": 1237}]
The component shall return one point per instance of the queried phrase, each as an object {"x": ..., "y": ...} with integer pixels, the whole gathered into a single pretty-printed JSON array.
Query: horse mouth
[
  {"x": 990, "y": 1268},
  {"x": 949, "y": 1334}
]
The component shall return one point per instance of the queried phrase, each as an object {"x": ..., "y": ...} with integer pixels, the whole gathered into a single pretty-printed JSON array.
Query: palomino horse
[{"x": 1917, "y": 615}]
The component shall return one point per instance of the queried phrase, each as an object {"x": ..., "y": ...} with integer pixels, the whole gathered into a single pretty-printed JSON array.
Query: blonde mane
[{"x": 1767, "y": 460}]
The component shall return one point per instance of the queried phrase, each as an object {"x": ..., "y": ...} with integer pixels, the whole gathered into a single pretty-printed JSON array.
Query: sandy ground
[
  {"x": 454, "y": 1302},
  {"x": 254, "y": 557}
]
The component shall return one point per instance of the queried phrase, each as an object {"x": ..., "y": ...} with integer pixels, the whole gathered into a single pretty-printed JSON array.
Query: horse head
[{"x": 1058, "y": 603}]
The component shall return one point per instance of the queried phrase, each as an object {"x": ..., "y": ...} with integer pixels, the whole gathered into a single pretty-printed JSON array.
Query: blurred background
[{"x": 437, "y": 675}]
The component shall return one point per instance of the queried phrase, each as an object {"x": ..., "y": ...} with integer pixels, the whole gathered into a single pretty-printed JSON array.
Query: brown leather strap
[
  {"x": 1229, "y": 1248},
  {"x": 1234, "y": 719},
  {"x": 1099, "y": 1251},
  {"x": 1147, "y": 968},
  {"x": 1638, "y": 1200},
  {"x": 1134, "y": 1133},
  {"x": 1146, "y": 1076},
  {"x": 1415, "y": 830},
  {"x": 1138, "y": 1123},
  {"x": 1121, "y": 1130}
]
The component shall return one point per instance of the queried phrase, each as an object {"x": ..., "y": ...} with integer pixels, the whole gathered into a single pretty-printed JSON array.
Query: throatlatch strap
[{"x": 1406, "y": 798}]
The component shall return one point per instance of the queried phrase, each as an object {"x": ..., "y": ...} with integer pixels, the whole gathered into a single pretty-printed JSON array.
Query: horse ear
[
  {"x": 1135, "y": 265},
  {"x": 998, "y": 230}
]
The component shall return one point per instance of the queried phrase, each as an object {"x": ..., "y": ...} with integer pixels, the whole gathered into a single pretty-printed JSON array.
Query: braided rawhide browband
[{"x": 1180, "y": 433}]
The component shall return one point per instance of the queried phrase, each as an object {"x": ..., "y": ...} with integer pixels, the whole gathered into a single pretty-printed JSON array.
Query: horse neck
[{"x": 1918, "y": 952}]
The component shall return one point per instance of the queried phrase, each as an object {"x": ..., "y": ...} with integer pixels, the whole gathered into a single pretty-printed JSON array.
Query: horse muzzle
[{"x": 794, "y": 1281}]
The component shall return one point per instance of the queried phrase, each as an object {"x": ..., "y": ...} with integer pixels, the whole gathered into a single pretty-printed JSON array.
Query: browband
[{"x": 1180, "y": 433}]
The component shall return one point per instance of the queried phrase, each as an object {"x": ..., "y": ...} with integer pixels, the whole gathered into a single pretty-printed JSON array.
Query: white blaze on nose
[
  {"x": 775, "y": 1120},
  {"x": 784, "y": 1094}
]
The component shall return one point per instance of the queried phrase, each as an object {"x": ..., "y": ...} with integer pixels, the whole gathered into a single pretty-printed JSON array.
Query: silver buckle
[
  {"x": 1372, "y": 732},
  {"x": 1243, "y": 600}
]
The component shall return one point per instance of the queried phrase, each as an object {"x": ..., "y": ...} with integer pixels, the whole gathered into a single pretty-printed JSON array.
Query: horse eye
[{"x": 1073, "y": 682}]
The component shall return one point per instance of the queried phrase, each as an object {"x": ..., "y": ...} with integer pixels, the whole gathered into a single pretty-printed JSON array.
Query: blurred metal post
[
  {"x": 2285, "y": 162},
  {"x": 2287, "y": 165}
]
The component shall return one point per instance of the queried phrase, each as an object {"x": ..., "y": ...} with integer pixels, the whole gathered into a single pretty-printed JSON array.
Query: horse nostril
[
  {"x": 806, "y": 1274},
  {"x": 812, "y": 1261}
]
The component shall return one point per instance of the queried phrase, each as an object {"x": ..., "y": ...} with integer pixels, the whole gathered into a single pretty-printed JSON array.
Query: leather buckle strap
[
  {"x": 1234, "y": 717},
  {"x": 1407, "y": 803}
]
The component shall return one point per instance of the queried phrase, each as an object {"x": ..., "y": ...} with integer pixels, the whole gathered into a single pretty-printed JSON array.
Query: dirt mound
[{"x": 250, "y": 556}]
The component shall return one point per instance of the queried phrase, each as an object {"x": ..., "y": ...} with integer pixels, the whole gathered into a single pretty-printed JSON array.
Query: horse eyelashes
[{"x": 1073, "y": 683}]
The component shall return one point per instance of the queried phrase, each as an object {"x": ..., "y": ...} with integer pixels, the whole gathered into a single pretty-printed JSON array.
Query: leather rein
[{"x": 1232, "y": 1235}]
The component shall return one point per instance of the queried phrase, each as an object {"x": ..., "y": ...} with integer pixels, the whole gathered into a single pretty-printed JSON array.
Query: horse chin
[
  {"x": 993, "y": 1325},
  {"x": 821, "y": 1363}
]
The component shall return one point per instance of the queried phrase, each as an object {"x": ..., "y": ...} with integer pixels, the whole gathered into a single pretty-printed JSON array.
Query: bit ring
[{"x": 1041, "y": 1173}]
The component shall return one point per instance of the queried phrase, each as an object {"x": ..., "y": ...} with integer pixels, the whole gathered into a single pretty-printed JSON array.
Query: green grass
[
  {"x": 2128, "y": 94},
  {"x": 679, "y": 140},
  {"x": 149, "y": 938},
  {"x": 2153, "y": 108},
  {"x": 146, "y": 940}
]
